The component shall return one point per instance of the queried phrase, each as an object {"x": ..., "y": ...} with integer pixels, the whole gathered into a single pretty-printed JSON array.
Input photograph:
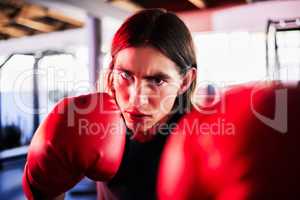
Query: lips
[{"x": 136, "y": 116}]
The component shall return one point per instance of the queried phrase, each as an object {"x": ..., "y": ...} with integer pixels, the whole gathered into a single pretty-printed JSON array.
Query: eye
[
  {"x": 156, "y": 81},
  {"x": 125, "y": 75}
]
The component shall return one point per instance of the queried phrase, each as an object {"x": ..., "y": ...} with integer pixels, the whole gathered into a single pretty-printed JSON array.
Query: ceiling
[
  {"x": 178, "y": 5},
  {"x": 18, "y": 19}
]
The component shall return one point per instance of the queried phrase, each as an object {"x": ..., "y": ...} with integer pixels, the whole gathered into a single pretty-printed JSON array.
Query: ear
[{"x": 188, "y": 78}]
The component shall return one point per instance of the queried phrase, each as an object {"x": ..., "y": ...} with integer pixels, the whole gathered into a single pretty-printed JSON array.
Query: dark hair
[{"x": 164, "y": 31}]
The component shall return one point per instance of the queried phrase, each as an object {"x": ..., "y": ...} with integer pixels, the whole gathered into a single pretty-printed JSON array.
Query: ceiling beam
[
  {"x": 35, "y": 11},
  {"x": 3, "y": 19},
  {"x": 32, "y": 11},
  {"x": 97, "y": 8},
  {"x": 39, "y": 26},
  {"x": 198, "y": 3},
  {"x": 126, "y": 5},
  {"x": 13, "y": 32}
]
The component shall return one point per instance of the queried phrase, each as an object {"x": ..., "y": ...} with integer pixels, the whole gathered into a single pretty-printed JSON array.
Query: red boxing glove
[
  {"x": 247, "y": 147},
  {"x": 81, "y": 136}
]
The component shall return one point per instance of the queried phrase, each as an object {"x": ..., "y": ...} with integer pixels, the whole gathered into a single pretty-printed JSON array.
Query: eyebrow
[{"x": 159, "y": 75}]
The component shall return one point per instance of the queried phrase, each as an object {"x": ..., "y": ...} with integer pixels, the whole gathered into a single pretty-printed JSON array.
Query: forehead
[{"x": 145, "y": 61}]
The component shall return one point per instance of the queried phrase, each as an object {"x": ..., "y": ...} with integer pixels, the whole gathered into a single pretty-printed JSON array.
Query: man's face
[{"x": 146, "y": 84}]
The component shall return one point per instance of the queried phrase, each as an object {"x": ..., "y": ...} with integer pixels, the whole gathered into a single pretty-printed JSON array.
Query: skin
[
  {"x": 145, "y": 81},
  {"x": 146, "y": 84}
]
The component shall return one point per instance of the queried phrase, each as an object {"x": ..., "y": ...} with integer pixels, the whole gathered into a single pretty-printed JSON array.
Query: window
[
  {"x": 16, "y": 81},
  {"x": 58, "y": 74},
  {"x": 230, "y": 58}
]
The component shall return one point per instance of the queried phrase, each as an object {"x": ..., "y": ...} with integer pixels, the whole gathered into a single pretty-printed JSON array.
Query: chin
[
  {"x": 139, "y": 129},
  {"x": 136, "y": 127}
]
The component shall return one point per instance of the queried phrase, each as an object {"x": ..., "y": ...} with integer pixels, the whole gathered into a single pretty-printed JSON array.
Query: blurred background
[{"x": 50, "y": 49}]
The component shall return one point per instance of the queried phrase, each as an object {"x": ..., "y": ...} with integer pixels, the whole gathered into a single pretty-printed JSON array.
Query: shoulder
[{"x": 86, "y": 100}]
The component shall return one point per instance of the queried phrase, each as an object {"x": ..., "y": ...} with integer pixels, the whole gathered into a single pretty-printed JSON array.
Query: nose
[{"x": 138, "y": 95}]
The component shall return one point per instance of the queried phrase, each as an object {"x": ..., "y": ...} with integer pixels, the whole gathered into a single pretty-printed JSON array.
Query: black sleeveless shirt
[{"x": 137, "y": 176}]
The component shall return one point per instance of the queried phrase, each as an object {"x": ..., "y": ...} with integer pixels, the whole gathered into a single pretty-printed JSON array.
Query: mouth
[{"x": 135, "y": 116}]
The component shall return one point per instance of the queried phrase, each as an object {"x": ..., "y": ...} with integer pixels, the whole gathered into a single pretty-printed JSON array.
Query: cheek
[
  {"x": 167, "y": 99},
  {"x": 121, "y": 94}
]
